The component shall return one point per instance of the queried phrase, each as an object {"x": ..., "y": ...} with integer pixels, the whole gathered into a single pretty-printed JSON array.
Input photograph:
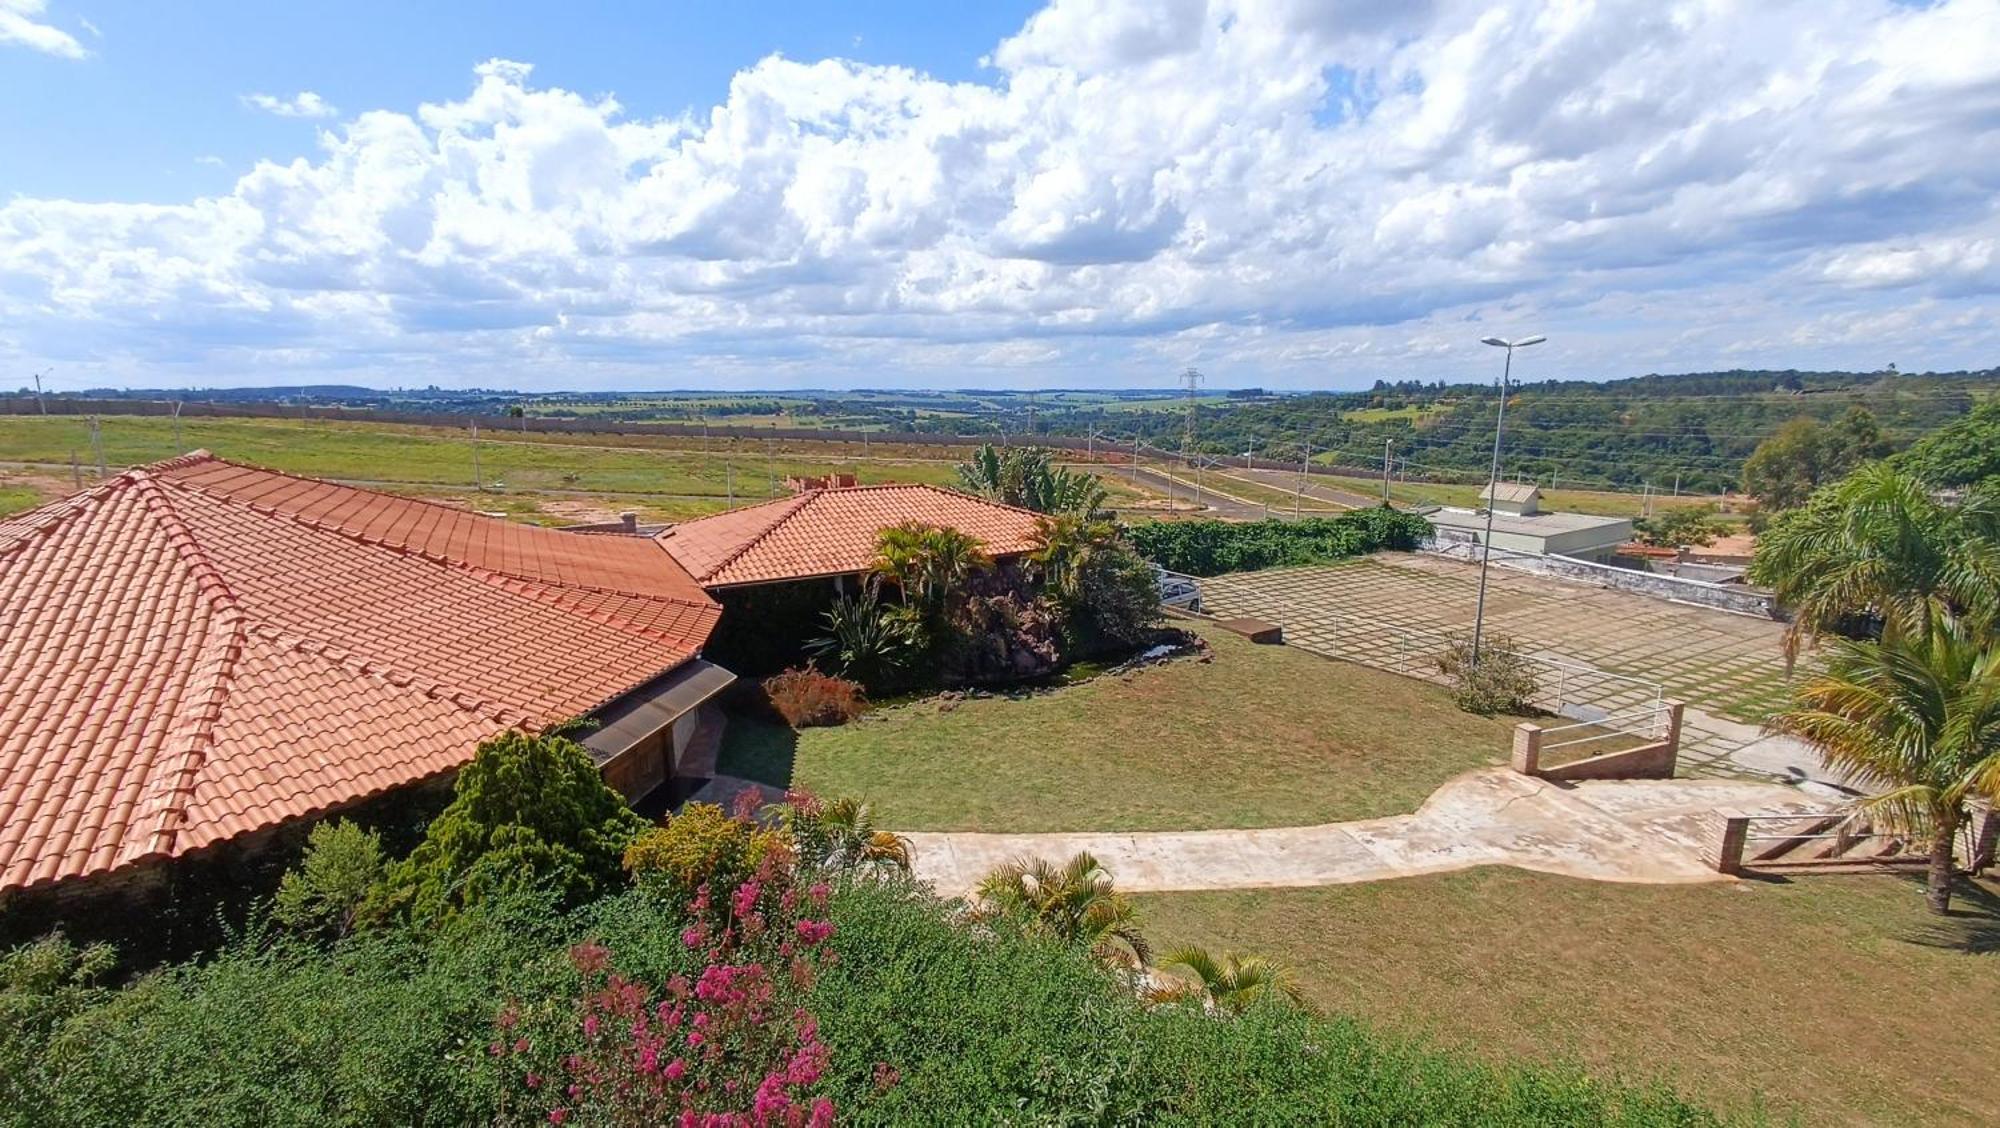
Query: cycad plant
[
  {"x": 1232, "y": 981},
  {"x": 1073, "y": 903},
  {"x": 1915, "y": 718}
]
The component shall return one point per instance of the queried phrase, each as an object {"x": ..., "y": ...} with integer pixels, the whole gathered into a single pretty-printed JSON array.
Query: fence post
[
  {"x": 1527, "y": 748},
  {"x": 1985, "y": 835},
  {"x": 1674, "y": 710},
  {"x": 1729, "y": 852}
]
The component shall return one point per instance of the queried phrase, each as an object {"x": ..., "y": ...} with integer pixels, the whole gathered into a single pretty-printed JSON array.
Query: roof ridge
[
  {"x": 193, "y": 729},
  {"x": 410, "y": 550},
  {"x": 60, "y": 512},
  {"x": 799, "y": 502},
  {"x": 191, "y": 459}
]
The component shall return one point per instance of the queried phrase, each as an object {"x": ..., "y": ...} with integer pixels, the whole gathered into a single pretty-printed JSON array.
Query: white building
[{"x": 1519, "y": 524}]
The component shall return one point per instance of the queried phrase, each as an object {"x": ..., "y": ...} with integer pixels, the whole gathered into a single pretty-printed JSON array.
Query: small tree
[
  {"x": 325, "y": 894},
  {"x": 1230, "y": 982},
  {"x": 530, "y": 812},
  {"x": 1104, "y": 592},
  {"x": 1685, "y": 525},
  {"x": 1501, "y": 681},
  {"x": 1073, "y": 904},
  {"x": 873, "y": 642}
]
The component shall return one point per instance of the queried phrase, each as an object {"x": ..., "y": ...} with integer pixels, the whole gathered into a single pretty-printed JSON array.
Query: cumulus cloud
[
  {"x": 304, "y": 104},
  {"x": 1284, "y": 191},
  {"x": 21, "y": 26}
]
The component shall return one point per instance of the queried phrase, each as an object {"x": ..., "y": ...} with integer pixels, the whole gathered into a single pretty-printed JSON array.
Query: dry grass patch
[{"x": 1837, "y": 998}]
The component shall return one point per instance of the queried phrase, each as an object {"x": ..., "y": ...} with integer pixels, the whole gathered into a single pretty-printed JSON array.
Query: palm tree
[
  {"x": 839, "y": 834},
  {"x": 1073, "y": 904},
  {"x": 1916, "y": 717},
  {"x": 1231, "y": 982},
  {"x": 930, "y": 564},
  {"x": 1066, "y": 545},
  {"x": 1026, "y": 477},
  {"x": 1877, "y": 544}
]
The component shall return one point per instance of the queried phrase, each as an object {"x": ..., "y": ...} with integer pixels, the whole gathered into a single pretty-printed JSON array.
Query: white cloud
[
  {"x": 1284, "y": 191},
  {"x": 304, "y": 104},
  {"x": 21, "y": 25}
]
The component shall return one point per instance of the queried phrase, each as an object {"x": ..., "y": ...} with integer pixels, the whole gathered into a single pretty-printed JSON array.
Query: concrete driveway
[{"x": 1644, "y": 831}]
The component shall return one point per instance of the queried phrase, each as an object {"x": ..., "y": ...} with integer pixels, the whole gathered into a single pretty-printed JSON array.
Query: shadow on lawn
[
  {"x": 759, "y": 747},
  {"x": 1972, "y": 925}
]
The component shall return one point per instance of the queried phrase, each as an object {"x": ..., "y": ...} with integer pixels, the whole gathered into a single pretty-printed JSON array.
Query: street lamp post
[{"x": 1493, "y": 481}]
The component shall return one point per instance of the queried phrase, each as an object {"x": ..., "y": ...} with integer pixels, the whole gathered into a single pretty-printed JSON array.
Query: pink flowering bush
[{"x": 728, "y": 1046}]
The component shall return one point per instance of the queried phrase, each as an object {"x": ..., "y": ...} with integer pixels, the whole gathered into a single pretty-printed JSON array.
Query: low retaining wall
[
  {"x": 1655, "y": 760},
  {"x": 1723, "y": 597}
]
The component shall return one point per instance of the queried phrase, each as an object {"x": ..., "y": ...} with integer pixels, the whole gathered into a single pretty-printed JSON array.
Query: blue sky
[{"x": 1296, "y": 193}]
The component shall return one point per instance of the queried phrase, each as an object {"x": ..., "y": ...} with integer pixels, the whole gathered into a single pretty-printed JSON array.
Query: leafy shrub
[
  {"x": 701, "y": 847},
  {"x": 1212, "y": 548},
  {"x": 874, "y": 643},
  {"x": 531, "y": 812},
  {"x": 1696, "y": 525},
  {"x": 325, "y": 894},
  {"x": 806, "y": 698},
  {"x": 1104, "y": 593},
  {"x": 1503, "y": 681},
  {"x": 924, "y": 1019}
]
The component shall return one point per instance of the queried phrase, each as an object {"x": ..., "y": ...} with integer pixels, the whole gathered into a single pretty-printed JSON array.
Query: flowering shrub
[
  {"x": 701, "y": 847},
  {"x": 805, "y": 698},
  {"x": 729, "y": 1045}
]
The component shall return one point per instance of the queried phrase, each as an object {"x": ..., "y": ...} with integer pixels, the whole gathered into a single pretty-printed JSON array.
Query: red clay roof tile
[
  {"x": 832, "y": 532},
  {"x": 196, "y": 650}
]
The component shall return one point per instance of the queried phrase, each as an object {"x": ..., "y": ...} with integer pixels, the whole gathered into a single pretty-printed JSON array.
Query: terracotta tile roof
[
  {"x": 195, "y": 650},
  {"x": 832, "y": 532}
]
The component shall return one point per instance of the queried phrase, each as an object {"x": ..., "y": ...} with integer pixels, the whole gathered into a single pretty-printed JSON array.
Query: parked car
[{"x": 1176, "y": 590}]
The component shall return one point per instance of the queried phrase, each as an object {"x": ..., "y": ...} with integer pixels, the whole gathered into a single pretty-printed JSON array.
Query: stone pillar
[
  {"x": 1528, "y": 748},
  {"x": 1985, "y": 835},
  {"x": 1729, "y": 852},
  {"x": 1675, "y": 709}
]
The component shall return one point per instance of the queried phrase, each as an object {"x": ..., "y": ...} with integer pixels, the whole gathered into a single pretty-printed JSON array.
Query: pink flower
[
  {"x": 812, "y": 932},
  {"x": 534, "y": 1080},
  {"x": 676, "y": 1069},
  {"x": 558, "y": 1115},
  {"x": 822, "y": 1113},
  {"x": 590, "y": 1026},
  {"x": 589, "y": 957}
]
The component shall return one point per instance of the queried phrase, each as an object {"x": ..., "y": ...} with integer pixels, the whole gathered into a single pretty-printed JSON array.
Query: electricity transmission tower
[{"x": 1191, "y": 384}]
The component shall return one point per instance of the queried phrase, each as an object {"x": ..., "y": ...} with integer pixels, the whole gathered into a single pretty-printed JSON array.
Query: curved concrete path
[{"x": 1652, "y": 831}]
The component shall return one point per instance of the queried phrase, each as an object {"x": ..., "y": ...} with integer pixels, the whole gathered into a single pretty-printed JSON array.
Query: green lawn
[
  {"x": 1260, "y": 736},
  {"x": 1837, "y": 998},
  {"x": 14, "y": 499}
]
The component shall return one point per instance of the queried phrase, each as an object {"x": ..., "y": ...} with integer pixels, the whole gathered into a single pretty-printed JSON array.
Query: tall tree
[
  {"x": 1916, "y": 718},
  {"x": 1878, "y": 546},
  {"x": 1805, "y": 454}
]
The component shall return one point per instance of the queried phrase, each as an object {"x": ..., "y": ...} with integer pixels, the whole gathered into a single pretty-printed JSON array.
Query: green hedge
[
  {"x": 1212, "y": 548},
  {"x": 928, "y": 1020}
]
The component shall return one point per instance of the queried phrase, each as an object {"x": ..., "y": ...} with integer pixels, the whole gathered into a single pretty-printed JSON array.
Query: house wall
[
  {"x": 639, "y": 769},
  {"x": 764, "y": 627}
]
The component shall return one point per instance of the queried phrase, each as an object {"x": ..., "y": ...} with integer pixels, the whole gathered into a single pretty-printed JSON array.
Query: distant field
[
  {"x": 539, "y": 477},
  {"x": 1415, "y": 413},
  {"x": 1605, "y": 503}
]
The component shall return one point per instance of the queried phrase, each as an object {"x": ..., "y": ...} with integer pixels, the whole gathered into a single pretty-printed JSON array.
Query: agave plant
[
  {"x": 1231, "y": 982},
  {"x": 868, "y": 640},
  {"x": 1073, "y": 903}
]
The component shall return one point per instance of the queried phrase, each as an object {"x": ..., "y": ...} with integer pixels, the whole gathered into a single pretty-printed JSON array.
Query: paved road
[
  {"x": 1643, "y": 831},
  {"x": 1182, "y": 486},
  {"x": 1315, "y": 489}
]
